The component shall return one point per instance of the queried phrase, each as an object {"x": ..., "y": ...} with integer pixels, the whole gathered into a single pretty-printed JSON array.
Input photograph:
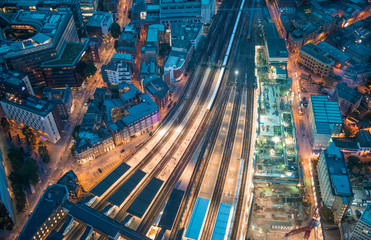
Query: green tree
[
  {"x": 30, "y": 136},
  {"x": 5, "y": 124},
  {"x": 115, "y": 30},
  {"x": 43, "y": 152},
  {"x": 90, "y": 69},
  {"x": 353, "y": 161},
  {"x": 18, "y": 190},
  {"x": 75, "y": 133},
  {"x": 6, "y": 222},
  {"x": 15, "y": 157}
]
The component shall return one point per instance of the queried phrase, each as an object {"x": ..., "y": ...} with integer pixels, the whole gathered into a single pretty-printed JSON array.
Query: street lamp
[{"x": 236, "y": 72}]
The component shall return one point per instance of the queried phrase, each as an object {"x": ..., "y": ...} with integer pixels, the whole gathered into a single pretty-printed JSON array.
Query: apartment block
[
  {"x": 336, "y": 191},
  {"x": 36, "y": 113},
  {"x": 348, "y": 98},
  {"x": 117, "y": 72}
]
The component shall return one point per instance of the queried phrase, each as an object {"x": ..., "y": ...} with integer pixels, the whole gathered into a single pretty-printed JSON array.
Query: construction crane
[{"x": 307, "y": 229}]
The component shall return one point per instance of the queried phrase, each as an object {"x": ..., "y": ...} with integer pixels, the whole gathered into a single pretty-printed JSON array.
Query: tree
[
  {"x": 115, "y": 30},
  {"x": 30, "y": 136},
  {"x": 6, "y": 222},
  {"x": 43, "y": 152},
  {"x": 15, "y": 157},
  {"x": 353, "y": 161},
  {"x": 5, "y": 124},
  {"x": 90, "y": 69},
  {"x": 18, "y": 190}
]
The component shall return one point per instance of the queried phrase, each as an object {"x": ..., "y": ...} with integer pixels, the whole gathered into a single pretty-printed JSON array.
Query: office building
[
  {"x": 14, "y": 83},
  {"x": 348, "y": 98},
  {"x": 5, "y": 198},
  {"x": 70, "y": 68},
  {"x": 148, "y": 68},
  {"x": 157, "y": 89},
  {"x": 48, "y": 211},
  {"x": 61, "y": 98},
  {"x": 316, "y": 60},
  {"x": 358, "y": 145},
  {"x": 34, "y": 112},
  {"x": 336, "y": 191},
  {"x": 11, "y": 6},
  {"x": 99, "y": 24},
  {"x": 96, "y": 49},
  {"x": 362, "y": 230},
  {"x": 325, "y": 119},
  {"x": 357, "y": 74},
  {"x": 50, "y": 30},
  {"x": 88, "y": 7},
  {"x": 116, "y": 72}
]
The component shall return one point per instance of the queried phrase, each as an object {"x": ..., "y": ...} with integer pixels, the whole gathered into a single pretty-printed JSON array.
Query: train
[{"x": 226, "y": 57}]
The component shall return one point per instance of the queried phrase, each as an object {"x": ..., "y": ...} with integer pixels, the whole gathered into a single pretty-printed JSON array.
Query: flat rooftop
[
  {"x": 71, "y": 54},
  {"x": 326, "y": 113},
  {"x": 366, "y": 216},
  {"x": 32, "y": 104},
  {"x": 337, "y": 171},
  {"x": 140, "y": 110},
  {"x": 317, "y": 53},
  {"x": 52, "y": 197}
]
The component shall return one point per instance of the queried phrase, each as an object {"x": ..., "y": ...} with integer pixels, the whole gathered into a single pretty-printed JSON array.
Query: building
[
  {"x": 157, "y": 89},
  {"x": 14, "y": 83},
  {"x": 186, "y": 31},
  {"x": 99, "y": 24},
  {"x": 11, "y": 6},
  {"x": 34, "y": 112},
  {"x": 148, "y": 68},
  {"x": 358, "y": 145},
  {"x": 325, "y": 118},
  {"x": 358, "y": 73},
  {"x": 62, "y": 99},
  {"x": 70, "y": 180},
  {"x": 336, "y": 191},
  {"x": 348, "y": 98},
  {"x": 88, "y": 7},
  {"x": 50, "y": 31},
  {"x": 95, "y": 45},
  {"x": 149, "y": 51},
  {"x": 116, "y": 72},
  {"x": 363, "y": 228},
  {"x": 70, "y": 68},
  {"x": 127, "y": 43},
  {"x": 48, "y": 211},
  {"x": 5, "y": 198},
  {"x": 131, "y": 113},
  {"x": 315, "y": 59},
  {"x": 340, "y": 58},
  {"x": 274, "y": 45}
]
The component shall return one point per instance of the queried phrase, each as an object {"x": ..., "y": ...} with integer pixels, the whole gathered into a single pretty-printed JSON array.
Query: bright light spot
[
  {"x": 236, "y": 72},
  {"x": 276, "y": 139}
]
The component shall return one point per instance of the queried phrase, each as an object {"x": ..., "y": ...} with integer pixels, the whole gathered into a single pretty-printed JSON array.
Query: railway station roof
[
  {"x": 144, "y": 199},
  {"x": 121, "y": 194},
  {"x": 101, "y": 223},
  {"x": 197, "y": 218},
  {"x": 171, "y": 209},
  {"x": 221, "y": 221},
  {"x": 109, "y": 180}
]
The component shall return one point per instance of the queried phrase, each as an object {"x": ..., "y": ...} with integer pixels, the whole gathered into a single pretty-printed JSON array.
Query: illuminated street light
[{"x": 236, "y": 72}]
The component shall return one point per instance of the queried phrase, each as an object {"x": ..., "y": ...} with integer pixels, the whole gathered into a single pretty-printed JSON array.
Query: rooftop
[
  {"x": 130, "y": 94},
  {"x": 349, "y": 94},
  {"x": 326, "y": 113},
  {"x": 32, "y": 104},
  {"x": 156, "y": 86},
  {"x": 52, "y": 197},
  {"x": 99, "y": 18},
  {"x": 71, "y": 54},
  {"x": 337, "y": 171},
  {"x": 333, "y": 52},
  {"x": 316, "y": 52},
  {"x": 140, "y": 110},
  {"x": 277, "y": 47}
]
